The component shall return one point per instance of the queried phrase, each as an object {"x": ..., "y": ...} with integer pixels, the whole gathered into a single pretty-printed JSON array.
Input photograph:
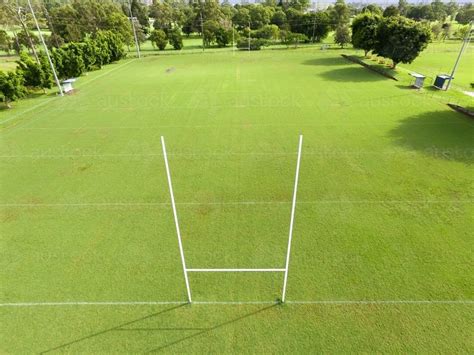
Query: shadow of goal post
[{"x": 187, "y": 270}]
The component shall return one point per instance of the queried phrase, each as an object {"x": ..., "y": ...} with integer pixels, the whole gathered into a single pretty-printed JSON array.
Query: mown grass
[{"x": 384, "y": 209}]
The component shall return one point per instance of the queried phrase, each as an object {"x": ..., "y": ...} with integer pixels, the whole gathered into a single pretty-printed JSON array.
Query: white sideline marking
[
  {"x": 251, "y": 203},
  {"x": 292, "y": 219},
  {"x": 51, "y": 99},
  {"x": 223, "y": 154},
  {"x": 235, "y": 270},
  {"x": 106, "y": 73},
  {"x": 175, "y": 215},
  {"x": 47, "y": 101},
  {"x": 84, "y": 303},
  {"x": 157, "y": 127},
  {"x": 322, "y": 302}
]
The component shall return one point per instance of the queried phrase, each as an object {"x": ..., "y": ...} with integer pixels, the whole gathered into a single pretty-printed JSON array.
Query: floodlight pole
[
  {"x": 463, "y": 47},
  {"x": 233, "y": 37},
  {"x": 249, "y": 36},
  {"x": 202, "y": 30},
  {"x": 134, "y": 30},
  {"x": 175, "y": 215},
  {"x": 292, "y": 219},
  {"x": 46, "y": 50}
]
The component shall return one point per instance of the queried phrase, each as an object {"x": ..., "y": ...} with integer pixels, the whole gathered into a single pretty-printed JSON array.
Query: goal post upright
[
  {"x": 292, "y": 219},
  {"x": 175, "y": 215},
  {"x": 238, "y": 270}
]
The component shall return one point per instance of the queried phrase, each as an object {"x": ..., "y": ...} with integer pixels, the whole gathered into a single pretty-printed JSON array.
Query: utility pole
[
  {"x": 465, "y": 43},
  {"x": 314, "y": 29},
  {"x": 46, "y": 50},
  {"x": 134, "y": 31}
]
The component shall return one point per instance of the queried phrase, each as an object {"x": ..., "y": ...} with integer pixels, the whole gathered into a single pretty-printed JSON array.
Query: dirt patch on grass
[{"x": 9, "y": 216}]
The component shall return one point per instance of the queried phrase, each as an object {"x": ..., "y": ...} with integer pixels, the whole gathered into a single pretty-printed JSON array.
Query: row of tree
[
  {"x": 70, "y": 60},
  {"x": 218, "y": 24}
]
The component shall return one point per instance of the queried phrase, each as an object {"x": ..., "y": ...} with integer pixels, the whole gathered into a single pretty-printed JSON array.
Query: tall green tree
[
  {"x": 241, "y": 18},
  {"x": 439, "y": 10},
  {"x": 176, "y": 38},
  {"x": 403, "y": 7},
  {"x": 401, "y": 39},
  {"x": 364, "y": 31},
  {"x": 315, "y": 25},
  {"x": 373, "y": 8},
  {"x": 159, "y": 39},
  {"x": 279, "y": 19},
  {"x": 11, "y": 86},
  {"x": 391, "y": 10},
  {"x": 5, "y": 42},
  {"x": 342, "y": 36},
  {"x": 139, "y": 11},
  {"x": 339, "y": 14},
  {"x": 465, "y": 14},
  {"x": 259, "y": 16},
  {"x": 35, "y": 75}
]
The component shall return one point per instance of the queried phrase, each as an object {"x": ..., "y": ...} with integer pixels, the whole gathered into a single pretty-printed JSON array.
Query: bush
[
  {"x": 11, "y": 86},
  {"x": 223, "y": 36},
  {"x": 255, "y": 44},
  {"x": 35, "y": 75},
  {"x": 342, "y": 36},
  {"x": 90, "y": 54},
  {"x": 158, "y": 38},
  {"x": 69, "y": 60},
  {"x": 54, "y": 41},
  {"x": 292, "y": 38},
  {"x": 176, "y": 38},
  {"x": 110, "y": 46},
  {"x": 268, "y": 32}
]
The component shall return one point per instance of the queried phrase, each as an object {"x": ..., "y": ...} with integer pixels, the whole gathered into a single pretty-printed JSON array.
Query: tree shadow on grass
[
  {"x": 326, "y": 61},
  {"x": 351, "y": 74},
  {"x": 441, "y": 134},
  {"x": 217, "y": 326},
  {"x": 118, "y": 327},
  {"x": 128, "y": 327}
]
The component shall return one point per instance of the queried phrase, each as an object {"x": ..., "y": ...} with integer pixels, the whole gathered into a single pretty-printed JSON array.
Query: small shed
[
  {"x": 419, "y": 80},
  {"x": 441, "y": 81},
  {"x": 67, "y": 85}
]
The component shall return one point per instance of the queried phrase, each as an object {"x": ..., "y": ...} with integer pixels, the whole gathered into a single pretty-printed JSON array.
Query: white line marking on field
[
  {"x": 234, "y": 203},
  {"x": 241, "y": 125},
  {"x": 84, "y": 303},
  {"x": 106, "y": 73},
  {"x": 159, "y": 303},
  {"x": 322, "y": 153},
  {"x": 235, "y": 270},
  {"x": 47, "y": 101}
]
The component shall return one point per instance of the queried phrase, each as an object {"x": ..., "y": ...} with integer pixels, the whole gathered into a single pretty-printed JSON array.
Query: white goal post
[{"x": 180, "y": 242}]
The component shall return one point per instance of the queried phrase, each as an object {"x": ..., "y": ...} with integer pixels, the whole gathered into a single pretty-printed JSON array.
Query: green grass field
[
  {"x": 439, "y": 58},
  {"x": 382, "y": 243}
]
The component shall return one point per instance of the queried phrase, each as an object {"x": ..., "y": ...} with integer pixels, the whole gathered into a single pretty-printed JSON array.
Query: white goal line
[
  {"x": 233, "y": 203},
  {"x": 236, "y": 270},
  {"x": 314, "y": 302}
]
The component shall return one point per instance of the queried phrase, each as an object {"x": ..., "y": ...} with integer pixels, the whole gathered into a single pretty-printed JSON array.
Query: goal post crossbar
[
  {"x": 180, "y": 243},
  {"x": 236, "y": 270}
]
